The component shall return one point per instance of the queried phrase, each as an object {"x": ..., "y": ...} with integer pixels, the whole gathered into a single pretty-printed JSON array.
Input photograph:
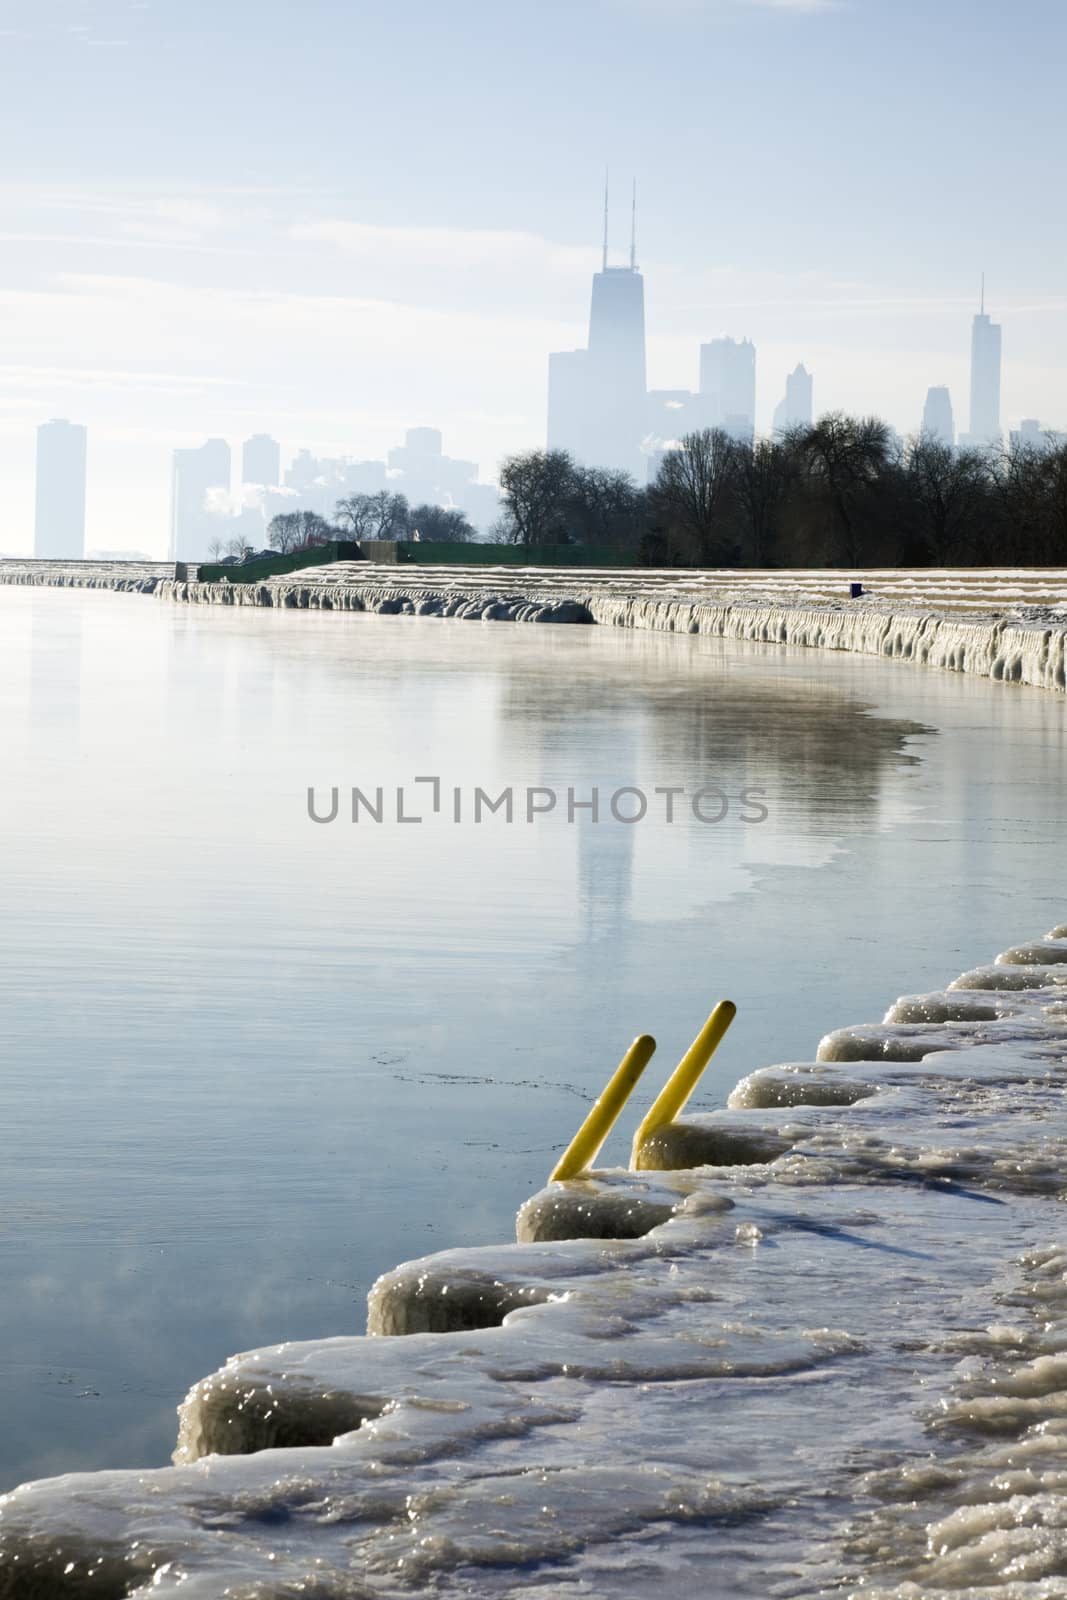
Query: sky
[{"x": 338, "y": 220}]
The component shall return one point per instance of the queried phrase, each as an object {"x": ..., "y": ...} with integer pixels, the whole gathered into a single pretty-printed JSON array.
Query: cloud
[
  {"x": 462, "y": 248},
  {"x": 178, "y": 221}
]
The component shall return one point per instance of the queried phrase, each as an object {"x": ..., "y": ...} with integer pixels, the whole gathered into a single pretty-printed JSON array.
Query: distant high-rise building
[
  {"x": 195, "y": 474},
  {"x": 1030, "y": 435},
  {"x": 261, "y": 461},
  {"x": 728, "y": 377},
  {"x": 795, "y": 410},
  {"x": 938, "y": 421},
  {"x": 59, "y": 523},
  {"x": 597, "y": 396},
  {"x": 420, "y": 470},
  {"x": 985, "y": 378}
]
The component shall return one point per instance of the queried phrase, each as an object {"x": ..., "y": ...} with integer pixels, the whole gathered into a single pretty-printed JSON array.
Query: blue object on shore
[{"x": 855, "y": 590}]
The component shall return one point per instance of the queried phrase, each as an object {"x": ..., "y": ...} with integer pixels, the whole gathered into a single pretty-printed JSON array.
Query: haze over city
[{"x": 827, "y": 180}]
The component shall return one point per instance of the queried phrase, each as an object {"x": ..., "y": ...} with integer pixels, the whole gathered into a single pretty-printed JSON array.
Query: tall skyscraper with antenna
[
  {"x": 985, "y": 378},
  {"x": 597, "y": 396}
]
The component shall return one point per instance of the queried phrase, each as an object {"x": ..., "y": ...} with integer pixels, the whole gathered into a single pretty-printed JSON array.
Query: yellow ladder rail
[
  {"x": 586, "y": 1144},
  {"x": 686, "y": 1075}
]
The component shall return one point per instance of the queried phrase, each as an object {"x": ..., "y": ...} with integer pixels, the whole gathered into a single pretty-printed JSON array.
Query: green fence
[
  {"x": 278, "y": 566},
  {"x": 438, "y": 553}
]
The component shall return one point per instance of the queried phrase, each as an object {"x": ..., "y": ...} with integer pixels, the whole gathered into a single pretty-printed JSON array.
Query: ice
[
  {"x": 822, "y": 1349},
  {"x": 910, "y": 617},
  {"x": 795, "y": 1084},
  {"x": 129, "y": 577},
  {"x": 1008, "y": 624}
]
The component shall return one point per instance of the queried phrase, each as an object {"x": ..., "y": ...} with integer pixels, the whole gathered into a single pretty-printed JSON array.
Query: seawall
[
  {"x": 1016, "y": 650},
  {"x": 1004, "y": 624}
]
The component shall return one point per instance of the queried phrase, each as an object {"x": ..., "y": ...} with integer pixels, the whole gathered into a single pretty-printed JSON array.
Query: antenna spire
[
  {"x": 633, "y": 231},
  {"x": 605, "y": 219},
  {"x": 983, "y": 295}
]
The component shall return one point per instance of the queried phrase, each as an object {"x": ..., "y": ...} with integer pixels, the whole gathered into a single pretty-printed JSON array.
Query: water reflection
[{"x": 249, "y": 1062}]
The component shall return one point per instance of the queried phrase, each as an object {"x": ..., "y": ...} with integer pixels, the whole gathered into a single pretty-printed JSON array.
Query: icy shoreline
[
  {"x": 1009, "y": 625},
  {"x": 817, "y": 1339},
  {"x": 1020, "y": 650}
]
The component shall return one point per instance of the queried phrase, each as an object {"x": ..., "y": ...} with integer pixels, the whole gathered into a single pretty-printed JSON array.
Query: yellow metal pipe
[
  {"x": 586, "y": 1144},
  {"x": 686, "y": 1075}
]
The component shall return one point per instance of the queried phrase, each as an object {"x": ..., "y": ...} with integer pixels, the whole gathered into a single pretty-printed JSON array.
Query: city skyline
[
  {"x": 240, "y": 271},
  {"x": 599, "y": 410}
]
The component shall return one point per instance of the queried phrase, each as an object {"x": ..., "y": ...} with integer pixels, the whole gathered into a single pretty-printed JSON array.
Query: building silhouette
[
  {"x": 796, "y": 408},
  {"x": 938, "y": 422},
  {"x": 195, "y": 475},
  {"x": 985, "y": 378},
  {"x": 597, "y": 396},
  {"x": 1030, "y": 435},
  {"x": 261, "y": 461},
  {"x": 420, "y": 470},
  {"x": 728, "y": 382},
  {"x": 59, "y": 512}
]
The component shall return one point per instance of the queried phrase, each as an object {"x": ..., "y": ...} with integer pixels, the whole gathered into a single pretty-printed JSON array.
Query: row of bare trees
[
  {"x": 843, "y": 492},
  {"x": 359, "y": 516}
]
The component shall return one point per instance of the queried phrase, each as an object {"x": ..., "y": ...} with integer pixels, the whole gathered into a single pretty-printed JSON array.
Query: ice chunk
[
  {"x": 708, "y": 1141},
  {"x": 600, "y": 1206},
  {"x": 1047, "y": 952},
  {"x": 796, "y": 1084}
]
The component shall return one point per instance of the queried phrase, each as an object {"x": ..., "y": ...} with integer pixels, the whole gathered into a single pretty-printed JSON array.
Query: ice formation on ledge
[
  {"x": 1025, "y": 645},
  {"x": 125, "y": 577},
  {"x": 1008, "y": 624},
  {"x": 827, "y": 1359}
]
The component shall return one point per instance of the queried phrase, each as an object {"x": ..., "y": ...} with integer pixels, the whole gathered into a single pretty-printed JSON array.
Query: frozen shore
[
  {"x": 1008, "y": 624},
  {"x": 1022, "y": 643},
  {"x": 815, "y": 1344}
]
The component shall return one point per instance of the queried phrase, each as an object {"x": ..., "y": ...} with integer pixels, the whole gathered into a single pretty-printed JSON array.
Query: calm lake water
[{"x": 248, "y": 1061}]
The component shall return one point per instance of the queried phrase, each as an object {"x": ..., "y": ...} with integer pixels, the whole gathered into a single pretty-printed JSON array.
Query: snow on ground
[{"x": 816, "y": 1343}]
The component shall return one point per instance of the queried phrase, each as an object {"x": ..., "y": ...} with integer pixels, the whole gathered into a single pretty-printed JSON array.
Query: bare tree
[
  {"x": 356, "y": 515},
  {"x": 216, "y": 549},
  {"x": 762, "y": 479},
  {"x": 297, "y": 530},
  {"x": 844, "y": 457},
  {"x": 390, "y": 517},
  {"x": 946, "y": 490},
  {"x": 692, "y": 493},
  {"x": 536, "y": 488},
  {"x": 443, "y": 523},
  {"x": 606, "y": 506}
]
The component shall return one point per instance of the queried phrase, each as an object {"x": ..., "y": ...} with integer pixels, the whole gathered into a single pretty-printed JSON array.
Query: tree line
[
  {"x": 845, "y": 491},
  {"x": 357, "y": 517}
]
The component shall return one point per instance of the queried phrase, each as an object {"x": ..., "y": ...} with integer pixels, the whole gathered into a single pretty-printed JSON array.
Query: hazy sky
[{"x": 335, "y": 220}]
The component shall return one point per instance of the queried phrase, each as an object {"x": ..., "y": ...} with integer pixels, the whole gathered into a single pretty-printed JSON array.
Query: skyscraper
[
  {"x": 261, "y": 461},
  {"x": 59, "y": 522},
  {"x": 596, "y": 396},
  {"x": 938, "y": 421},
  {"x": 795, "y": 410},
  {"x": 195, "y": 474},
  {"x": 728, "y": 375},
  {"x": 985, "y": 378}
]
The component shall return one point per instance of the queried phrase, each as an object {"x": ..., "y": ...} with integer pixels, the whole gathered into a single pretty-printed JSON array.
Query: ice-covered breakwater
[
  {"x": 125, "y": 577},
  {"x": 814, "y": 1345},
  {"x": 1008, "y": 624},
  {"x": 1024, "y": 644}
]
